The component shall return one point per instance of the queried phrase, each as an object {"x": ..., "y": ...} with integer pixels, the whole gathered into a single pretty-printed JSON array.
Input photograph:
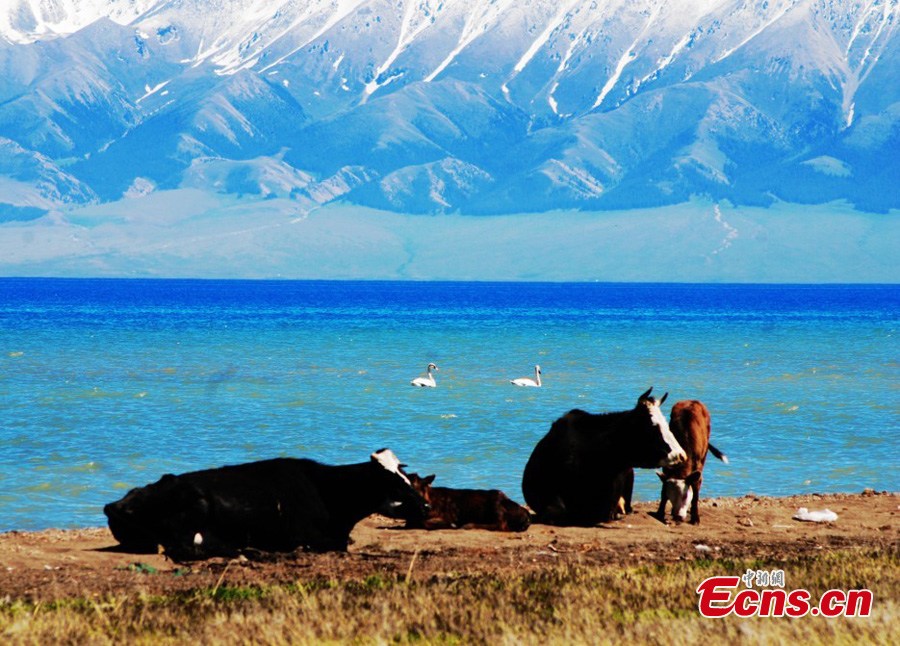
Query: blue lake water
[{"x": 108, "y": 384}]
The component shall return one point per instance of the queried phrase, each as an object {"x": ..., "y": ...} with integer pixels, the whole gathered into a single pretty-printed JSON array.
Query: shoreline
[{"x": 55, "y": 563}]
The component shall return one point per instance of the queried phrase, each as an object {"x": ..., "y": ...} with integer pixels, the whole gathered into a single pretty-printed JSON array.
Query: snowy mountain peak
[
  {"x": 25, "y": 21},
  {"x": 473, "y": 105}
]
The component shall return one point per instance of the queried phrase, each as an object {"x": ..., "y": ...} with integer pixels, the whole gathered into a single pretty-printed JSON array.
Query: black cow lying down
[{"x": 277, "y": 505}]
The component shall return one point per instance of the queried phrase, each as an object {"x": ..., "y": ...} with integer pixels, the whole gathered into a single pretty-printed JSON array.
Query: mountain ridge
[{"x": 460, "y": 106}]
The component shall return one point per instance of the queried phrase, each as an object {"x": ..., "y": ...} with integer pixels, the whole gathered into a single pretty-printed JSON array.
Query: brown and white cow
[
  {"x": 690, "y": 424},
  {"x": 467, "y": 508}
]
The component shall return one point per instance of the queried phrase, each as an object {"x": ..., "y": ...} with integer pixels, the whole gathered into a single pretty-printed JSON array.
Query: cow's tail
[{"x": 716, "y": 452}]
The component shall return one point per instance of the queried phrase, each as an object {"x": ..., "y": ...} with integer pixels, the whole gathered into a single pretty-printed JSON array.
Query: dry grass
[{"x": 559, "y": 605}]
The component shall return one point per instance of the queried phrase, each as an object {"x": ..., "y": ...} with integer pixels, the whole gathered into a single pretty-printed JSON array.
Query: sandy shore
[{"x": 62, "y": 563}]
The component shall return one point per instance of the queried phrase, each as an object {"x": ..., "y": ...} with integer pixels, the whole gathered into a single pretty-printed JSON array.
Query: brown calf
[
  {"x": 690, "y": 424},
  {"x": 468, "y": 508}
]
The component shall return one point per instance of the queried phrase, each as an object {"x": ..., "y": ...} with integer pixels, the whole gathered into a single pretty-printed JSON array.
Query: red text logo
[{"x": 719, "y": 597}]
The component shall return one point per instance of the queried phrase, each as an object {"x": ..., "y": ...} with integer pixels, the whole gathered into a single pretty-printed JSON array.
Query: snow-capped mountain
[{"x": 473, "y": 106}]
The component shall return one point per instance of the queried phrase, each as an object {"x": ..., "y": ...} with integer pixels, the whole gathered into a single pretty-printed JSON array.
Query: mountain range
[{"x": 450, "y": 106}]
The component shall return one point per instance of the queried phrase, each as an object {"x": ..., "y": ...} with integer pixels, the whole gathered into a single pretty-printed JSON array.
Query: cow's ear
[
  {"x": 691, "y": 479},
  {"x": 429, "y": 479},
  {"x": 644, "y": 397},
  {"x": 663, "y": 399},
  {"x": 661, "y": 475}
]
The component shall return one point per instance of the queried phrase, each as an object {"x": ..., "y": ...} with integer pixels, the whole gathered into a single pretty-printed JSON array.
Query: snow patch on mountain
[
  {"x": 731, "y": 234},
  {"x": 829, "y": 166},
  {"x": 140, "y": 187},
  {"x": 27, "y": 21}
]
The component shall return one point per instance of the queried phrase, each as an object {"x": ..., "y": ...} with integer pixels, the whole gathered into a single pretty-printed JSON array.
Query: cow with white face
[
  {"x": 678, "y": 492},
  {"x": 578, "y": 472},
  {"x": 657, "y": 434},
  {"x": 690, "y": 425}
]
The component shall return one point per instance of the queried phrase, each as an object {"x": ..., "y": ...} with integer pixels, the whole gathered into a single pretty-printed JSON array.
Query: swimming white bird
[
  {"x": 426, "y": 380},
  {"x": 528, "y": 381}
]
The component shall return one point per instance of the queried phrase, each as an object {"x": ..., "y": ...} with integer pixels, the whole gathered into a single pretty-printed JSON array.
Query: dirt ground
[{"x": 57, "y": 564}]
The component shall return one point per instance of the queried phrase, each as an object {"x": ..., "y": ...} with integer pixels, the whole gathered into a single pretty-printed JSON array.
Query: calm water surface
[{"x": 108, "y": 384}]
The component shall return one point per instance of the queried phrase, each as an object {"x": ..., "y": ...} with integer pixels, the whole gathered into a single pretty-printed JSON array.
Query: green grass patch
[{"x": 560, "y": 604}]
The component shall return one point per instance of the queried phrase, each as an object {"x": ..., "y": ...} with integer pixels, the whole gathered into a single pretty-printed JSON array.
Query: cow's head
[
  {"x": 401, "y": 497},
  {"x": 422, "y": 485},
  {"x": 655, "y": 445},
  {"x": 680, "y": 493},
  {"x": 149, "y": 516}
]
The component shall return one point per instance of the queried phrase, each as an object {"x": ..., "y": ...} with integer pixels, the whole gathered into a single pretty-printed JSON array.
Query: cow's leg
[
  {"x": 334, "y": 538},
  {"x": 553, "y": 513},
  {"x": 663, "y": 497},
  {"x": 186, "y": 533},
  {"x": 198, "y": 546},
  {"x": 316, "y": 537},
  {"x": 496, "y": 527},
  {"x": 331, "y": 544},
  {"x": 307, "y": 525},
  {"x": 628, "y": 492},
  {"x": 695, "y": 503},
  {"x": 608, "y": 504}
]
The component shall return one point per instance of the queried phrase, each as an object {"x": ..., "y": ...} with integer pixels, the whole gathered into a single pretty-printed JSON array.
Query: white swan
[
  {"x": 528, "y": 381},
  {"x": 426, "y": 380}
]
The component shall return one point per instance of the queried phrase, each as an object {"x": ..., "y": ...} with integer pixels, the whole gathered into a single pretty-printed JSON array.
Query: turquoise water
[{"x": 108, "y": 384}]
